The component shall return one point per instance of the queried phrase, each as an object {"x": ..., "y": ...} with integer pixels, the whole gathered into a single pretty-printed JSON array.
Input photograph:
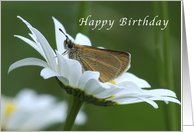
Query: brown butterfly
[{"x": 110, "y": 63}]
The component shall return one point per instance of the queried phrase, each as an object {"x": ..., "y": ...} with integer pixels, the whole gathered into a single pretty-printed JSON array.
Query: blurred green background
[{"x": 137, "y": 40}]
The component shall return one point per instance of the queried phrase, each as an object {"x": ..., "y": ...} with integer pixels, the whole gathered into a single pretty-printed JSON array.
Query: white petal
[
  {"x": 3, "y": 98},
  {"x": 70, "y": 69},
  {"x": 15, "y": 124},
  {"x": 48, "y": 73},
  {"x": 101, "y": 47},
  {"x": 131, "y": 77},
  {"x": 94, "y": 87},
  {"x": 128, "y": 67},
  {"x": 63, "y": 80},
  {"x": 82, "y": 40},
  {"x": 65, "y": 66},
  {"x": 60, "y": 37},
  {"x": 151, "y": 102},
  {"x": 29, "y": 100},
  {"x": 62, "y": 65},
  {"x": 166, "y": 99},
  {"x": 130, "y": 87},
  {"x": 37, "y": 43},
  {"x": 35, "y": 39},
  {"x": 49, "y": 53},
  {"x": 100, "y": 90},
  {"x": 31, "y": 43},
  {"x": 28, "y": 25},
  {"x": 108, "y": 92},
  {"x": 86, "y": 76},
  {"x": 126, "y": 99},
  {"x": 160, "y": 92},
  {"x": 81, "y": 118},
  {"x": 134, "y": 99},
  {"x": 54, "y": 114},
  {"x": 27, "y": 62},
  {"x": 26, "y": 98}
]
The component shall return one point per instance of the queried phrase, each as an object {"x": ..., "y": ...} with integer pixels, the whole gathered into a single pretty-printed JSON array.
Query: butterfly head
[{"x": 68, "y": 44}]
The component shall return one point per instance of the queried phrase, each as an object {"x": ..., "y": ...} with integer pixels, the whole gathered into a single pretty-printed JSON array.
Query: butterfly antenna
[{"x": 63, "y": 33}]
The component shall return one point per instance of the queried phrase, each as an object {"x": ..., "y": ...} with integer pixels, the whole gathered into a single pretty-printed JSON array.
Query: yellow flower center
[
  {"x": 111, "y": 96},
  {"x": 113, "y": 82},
  {"x": 9, "y": 108}
]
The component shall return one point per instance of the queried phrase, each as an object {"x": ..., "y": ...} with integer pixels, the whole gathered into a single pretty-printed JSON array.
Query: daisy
[
  {"x": 85, "y": 86},
  {"x": 30, "y": 111}
]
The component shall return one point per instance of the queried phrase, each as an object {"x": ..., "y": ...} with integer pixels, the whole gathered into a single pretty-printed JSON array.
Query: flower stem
[
  {"x": 172, "y": 113},
  {"x": 76, "y": 103},
  {"x": 72, "y": 113},
  {"x": 158, "y": 48},
  {"x": 164, "y": 64}
]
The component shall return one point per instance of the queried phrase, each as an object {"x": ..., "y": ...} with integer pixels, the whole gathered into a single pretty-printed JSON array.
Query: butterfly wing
[
  {"x": 109, "y": 63},
  {"x": 124, "y": 57}
]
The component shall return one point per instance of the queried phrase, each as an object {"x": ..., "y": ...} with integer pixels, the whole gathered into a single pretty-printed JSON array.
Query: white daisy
[
  {"x": 29, "y": 111},
  {"x": 86, "y": 86}
]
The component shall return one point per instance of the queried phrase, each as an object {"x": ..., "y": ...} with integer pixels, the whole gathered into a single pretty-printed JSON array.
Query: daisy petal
[
  {"x": 160, "y": 92},
  {"x": 70, "y": 69},
  {"x": 93, "y": 87},
  {"x": 27, "y": 23},
  {"x": 166, "y": 99},
  {"x": 86, "y": 76},
  {"x": 38, "y": 44},
  {"x": 3, "y": 111},
  {"x": 75, "y": 72},
  {"x": 108, "y": 92},
  {"x": 135, "y": 99},
  {"x": 27, "y": 62},
  {"x": 49, "y": 53},
  {"x": 82, "y": 40},
  {"x": 31, "y": 43},
  {"x": 131, "y": 77},
  {"x": 151, "y": 102},
  {"x": 48, "y": 73},
  {"x": 126, "y": 99},
  {"x": 81, "y": 118},
  {"x": 60, "y": 37},
  {"x": 63, "y": 80},
  {"x": 130, "y": 87},
  {"x": 62, "y": 65}
]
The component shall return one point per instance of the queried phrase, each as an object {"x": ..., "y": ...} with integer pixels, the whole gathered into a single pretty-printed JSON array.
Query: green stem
[
  {"x": 172, "y": 113},
  {"x": 160, "y": 60},
  {"x": 167, "y": 51},
  {"x": 76, "y": 103},
  {"x": 164, "y": 64},
  {"x": 72, "y": 113},
  {"x": 158, "y": 49}
]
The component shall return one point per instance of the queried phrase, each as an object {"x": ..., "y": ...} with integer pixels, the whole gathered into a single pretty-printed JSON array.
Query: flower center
[
  {"x": 113, "y": 82},
  {"x": 9, "y": 108},
  {"x": 81, "y": 95}
]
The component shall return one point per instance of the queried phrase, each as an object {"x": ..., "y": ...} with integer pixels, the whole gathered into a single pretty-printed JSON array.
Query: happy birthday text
[{"x": 124, "y": 21}]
